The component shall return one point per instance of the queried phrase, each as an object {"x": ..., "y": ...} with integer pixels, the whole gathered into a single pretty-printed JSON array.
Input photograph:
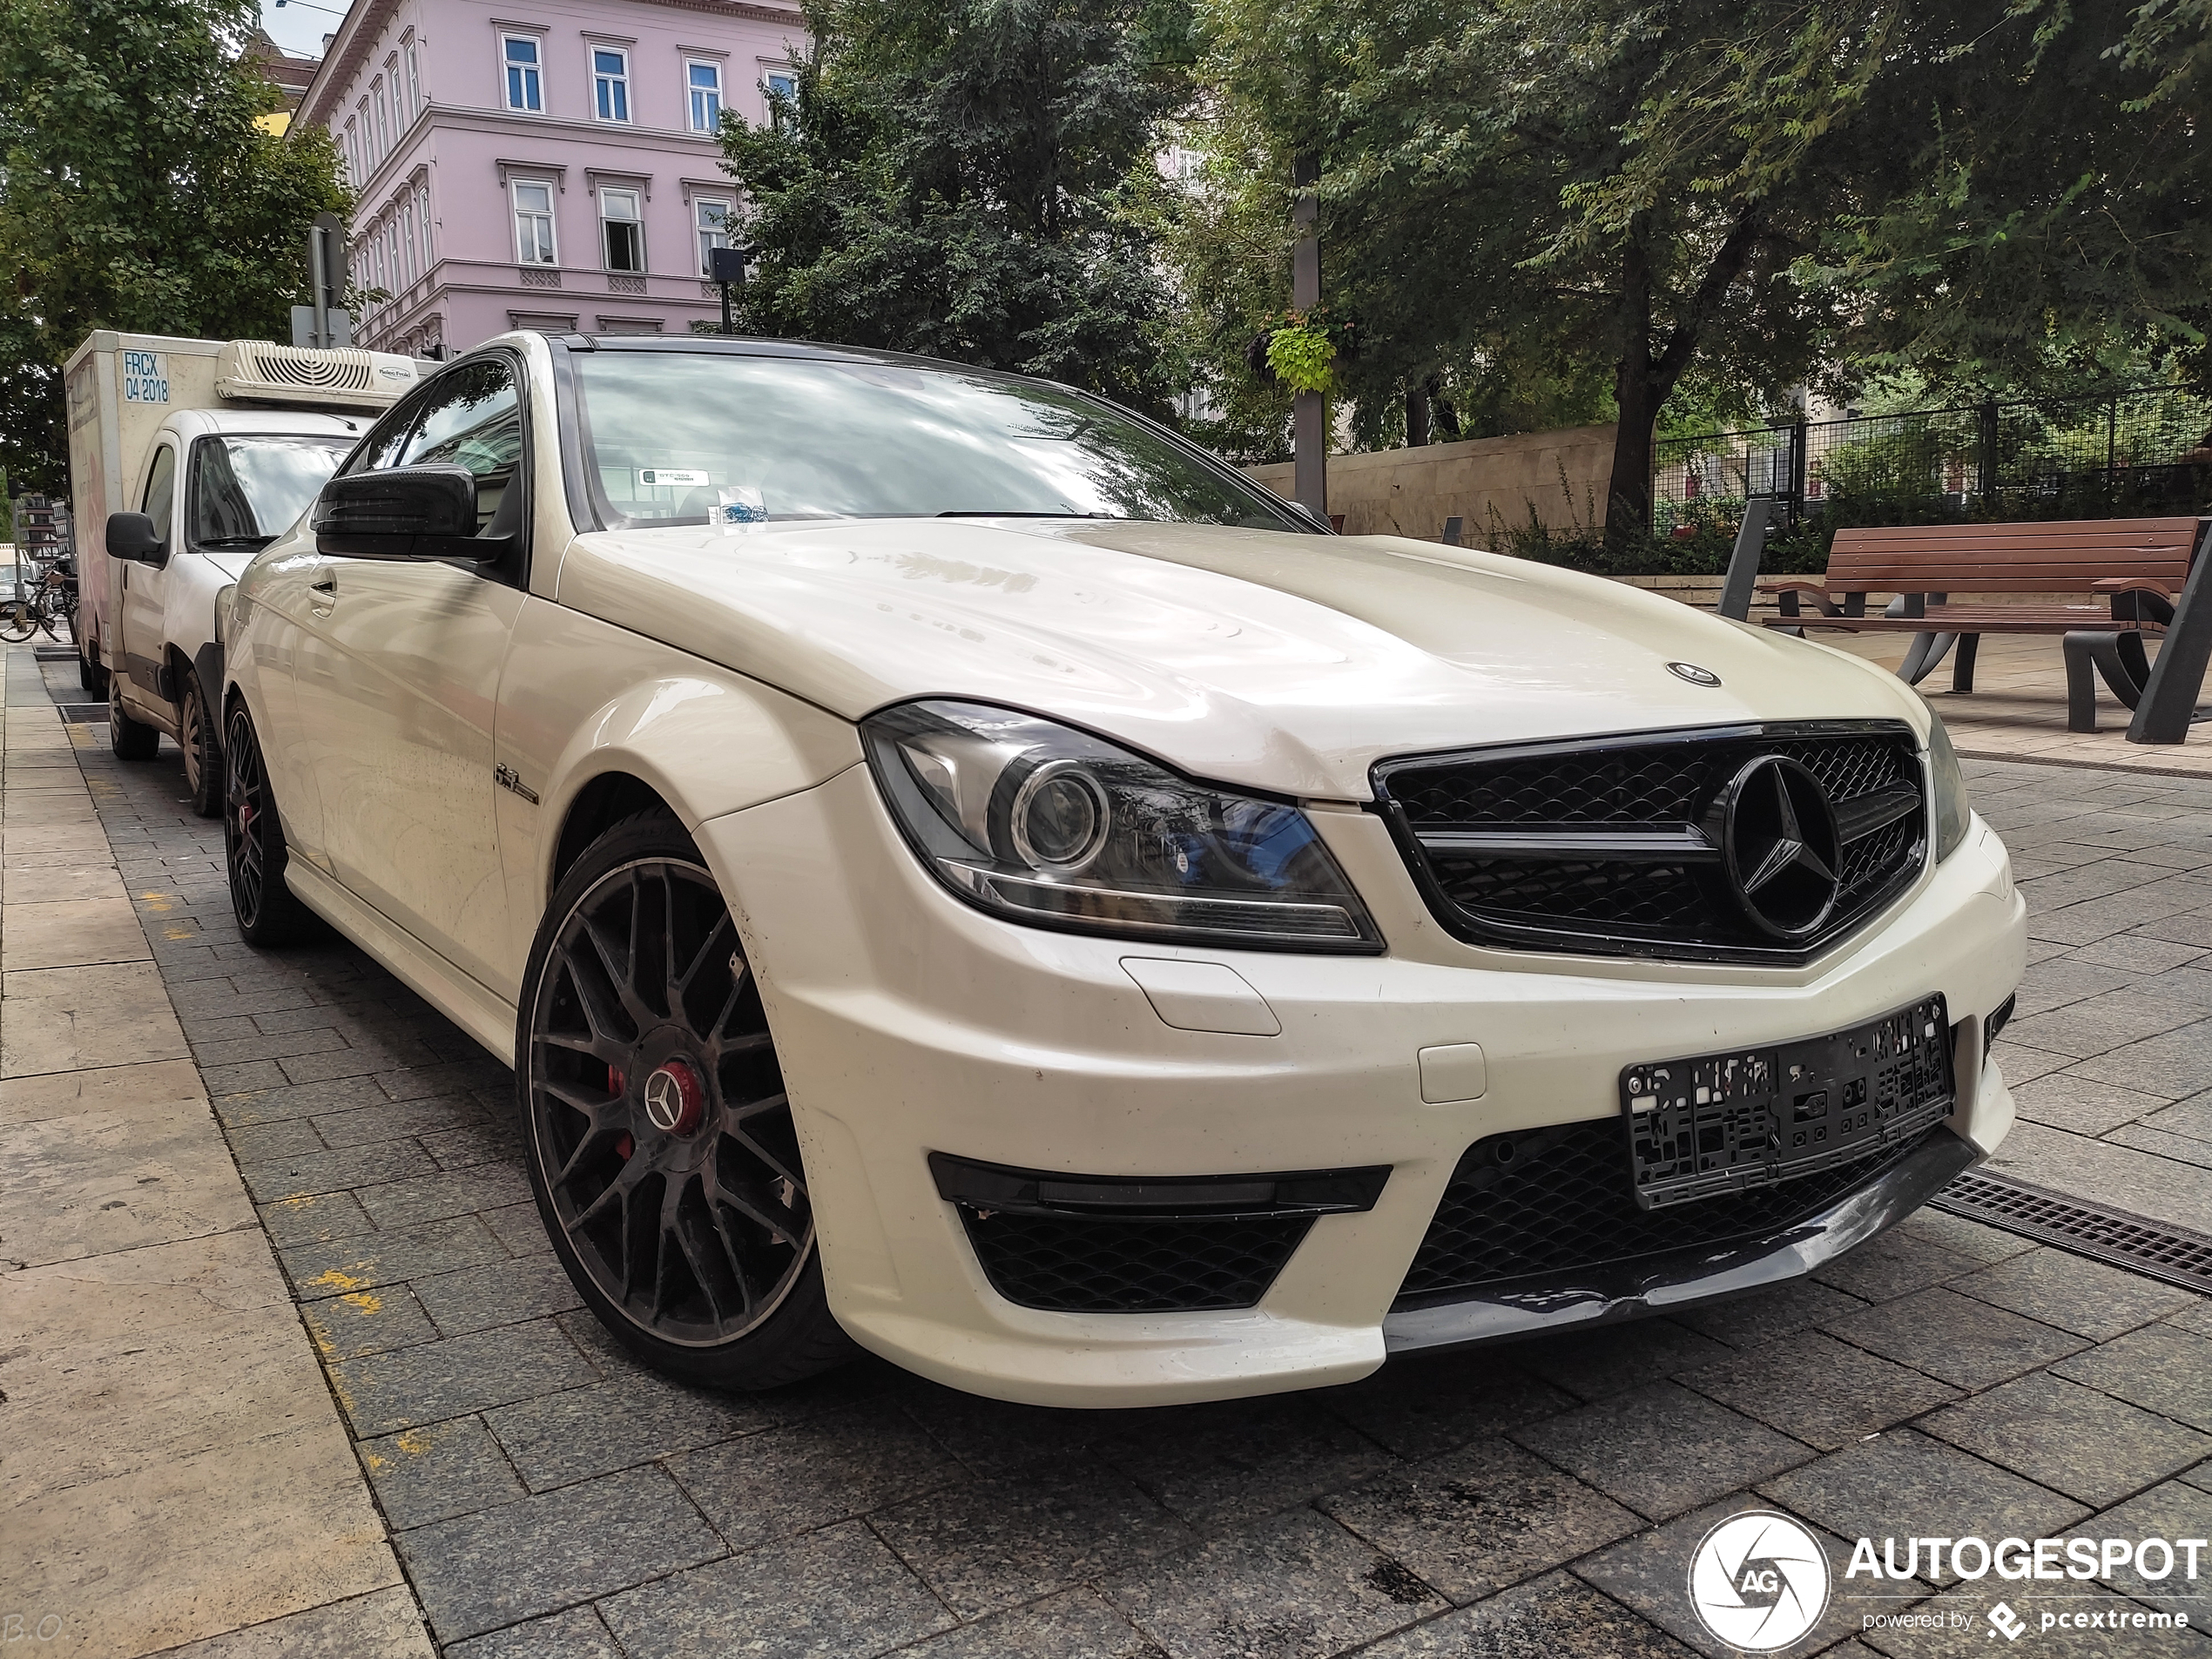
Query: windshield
[
  {"x": 248, "y": 490},
  {"x": 667, "y": 432}
]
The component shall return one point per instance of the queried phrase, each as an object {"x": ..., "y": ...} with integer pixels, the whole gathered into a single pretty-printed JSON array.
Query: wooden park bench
[{"x": 2140, "y": 567}]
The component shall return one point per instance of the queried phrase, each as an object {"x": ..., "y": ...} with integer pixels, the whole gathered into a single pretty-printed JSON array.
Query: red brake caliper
[{"x": 625, "y": 1146}]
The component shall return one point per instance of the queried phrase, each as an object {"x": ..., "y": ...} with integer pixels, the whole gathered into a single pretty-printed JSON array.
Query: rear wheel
[
  {"x": 659, "y": 1137},
  {"x": 268, "y": 912},
  {"x": 131, "y": 739},
  {"x": 89, "y": 674},
  {"x": 203, "y": 754},
  {"x": 18, "y": 620}
]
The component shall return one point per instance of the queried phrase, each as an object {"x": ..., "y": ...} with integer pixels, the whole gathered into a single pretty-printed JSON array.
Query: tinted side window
[
  {"x": 382, "y": 448},
  {"x": 472, "y": 418},
  {"x": 161, "y": 490}
]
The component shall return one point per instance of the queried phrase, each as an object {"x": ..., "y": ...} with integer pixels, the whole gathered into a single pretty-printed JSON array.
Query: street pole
[
  {"x": 1309, "y": 410},
  {"x": 726, "y": 269}
]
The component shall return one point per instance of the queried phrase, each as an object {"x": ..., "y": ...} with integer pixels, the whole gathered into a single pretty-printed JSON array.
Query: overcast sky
[{"x": 298, "y": 27}]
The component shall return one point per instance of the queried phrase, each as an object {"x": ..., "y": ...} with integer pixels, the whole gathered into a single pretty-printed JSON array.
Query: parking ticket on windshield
[{"x": 671, "y": 478}]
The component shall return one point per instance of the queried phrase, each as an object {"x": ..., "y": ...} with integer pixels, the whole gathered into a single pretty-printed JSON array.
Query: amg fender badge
[
  {"x": 1694, "y": 674},
  {"x": 508, "y": 778}
]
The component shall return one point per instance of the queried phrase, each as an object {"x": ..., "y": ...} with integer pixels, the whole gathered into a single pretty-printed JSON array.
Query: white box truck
[{"x": 185, "y": 458}]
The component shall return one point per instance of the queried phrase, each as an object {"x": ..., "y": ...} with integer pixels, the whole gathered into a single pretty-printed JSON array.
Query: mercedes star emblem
[
  {"x": 1695, "y": 675},
  {"x": 674, "y": 1098},
  {"x": 1779, "y": 843}
]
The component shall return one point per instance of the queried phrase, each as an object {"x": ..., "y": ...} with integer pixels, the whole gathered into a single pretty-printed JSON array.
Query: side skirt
[{"x": 477, "y": 1009}]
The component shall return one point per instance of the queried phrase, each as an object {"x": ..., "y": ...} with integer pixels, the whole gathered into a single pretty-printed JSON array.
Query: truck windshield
[
  {"x": 791, "y": 437},
  {"x": 249, "y": 489}
]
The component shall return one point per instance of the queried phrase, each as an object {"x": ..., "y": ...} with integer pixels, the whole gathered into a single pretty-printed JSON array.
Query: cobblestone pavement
[{"x": 549, "y": 1498}]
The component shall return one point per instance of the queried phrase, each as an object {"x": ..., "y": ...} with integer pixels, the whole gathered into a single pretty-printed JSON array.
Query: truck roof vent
[{"x": 259, "y": 371}]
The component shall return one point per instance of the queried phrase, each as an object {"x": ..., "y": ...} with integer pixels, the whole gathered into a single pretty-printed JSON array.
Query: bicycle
[{"x": 52, "y": 600}]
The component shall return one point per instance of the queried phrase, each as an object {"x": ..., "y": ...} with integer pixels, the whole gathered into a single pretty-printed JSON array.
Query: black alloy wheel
[
  {"x": 268, "y": 912},
  {"x": 204, "y": 775},
  {"x": 660, "y": 1138},
  {"x": 131, "y": 739}
]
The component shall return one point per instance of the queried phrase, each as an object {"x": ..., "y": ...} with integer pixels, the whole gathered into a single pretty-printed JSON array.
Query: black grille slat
[
  {"x": 1563, "y": 897},
  {"x": 1080, "y": 1264},
  {"x": 1563, "y": 1200}
]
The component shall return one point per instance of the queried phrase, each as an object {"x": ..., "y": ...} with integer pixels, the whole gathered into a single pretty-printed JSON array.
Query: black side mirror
[
  {"x": 404, "y": 513},
  {"x": 131, "y": 535}
]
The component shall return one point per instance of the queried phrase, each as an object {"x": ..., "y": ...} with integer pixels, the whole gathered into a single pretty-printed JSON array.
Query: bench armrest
[
  {"x": 2167, "y": 590},
  {"x": 1794, "y": 582}
]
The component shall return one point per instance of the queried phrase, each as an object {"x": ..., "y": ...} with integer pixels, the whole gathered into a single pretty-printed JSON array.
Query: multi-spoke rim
[
  {"x": 696, "y": 1232},
  {"x": 192, "y": 719},
  {"x": 246, "y": 820}
]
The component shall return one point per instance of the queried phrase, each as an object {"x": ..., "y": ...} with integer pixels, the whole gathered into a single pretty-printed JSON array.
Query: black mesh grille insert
[
  {"x": 1560, "y": 1200},
  {"x": 1542, "y": 891},
  {"x": 1079, "y": 1265}
]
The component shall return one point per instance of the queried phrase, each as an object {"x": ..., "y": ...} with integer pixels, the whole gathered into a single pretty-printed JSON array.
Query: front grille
[
  {"x": 1613, "y": 845},
  {"x": 1081, "y": 1265},
  {"x": 1549, "y": 1200}
]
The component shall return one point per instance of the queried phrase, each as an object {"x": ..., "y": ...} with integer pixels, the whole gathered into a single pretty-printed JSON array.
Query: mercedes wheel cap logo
[
  {"x": 674, "y": 1099},
  {"x": 1695, "y": 675},
  {"x": 1779, "y": 843}
]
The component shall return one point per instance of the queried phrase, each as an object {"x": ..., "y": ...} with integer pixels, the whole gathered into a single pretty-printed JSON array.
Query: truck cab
[{"x": 188, "y": 457}]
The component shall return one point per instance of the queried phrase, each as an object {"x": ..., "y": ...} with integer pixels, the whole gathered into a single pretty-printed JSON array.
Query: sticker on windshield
[
  {"x": 737, "y": 505},
  {"x": 671, "y": 478}
]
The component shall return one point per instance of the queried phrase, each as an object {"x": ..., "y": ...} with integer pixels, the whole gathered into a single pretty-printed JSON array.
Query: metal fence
[{"x": 2141, "y": 453}]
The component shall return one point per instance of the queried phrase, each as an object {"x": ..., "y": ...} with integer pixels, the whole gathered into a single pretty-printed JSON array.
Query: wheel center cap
[{"x": 675, "y": 1097}]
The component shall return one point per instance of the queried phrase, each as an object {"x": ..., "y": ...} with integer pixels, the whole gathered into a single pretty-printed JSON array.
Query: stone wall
[{"x": 1412, "y": 492}]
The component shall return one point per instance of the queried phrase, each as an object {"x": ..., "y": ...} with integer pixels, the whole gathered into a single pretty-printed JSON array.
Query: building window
[
  {"x": 422, "y": 213},
  {"x": 351, "y": 147},
  {"x": 610, "y": 83},
  {"x": 407, "y": 232},
  {"x": 713, "y": 221},
  {"x": 523, "y": 90},
  {"x": 705, "y": 84},
  {"x": 413, "y": 84},
  {"x": 376, "y": 112},
  {"x": 534, "y": 222},
  {"x": 368, "y": 138},
  {"x": 623, "y": 230}
]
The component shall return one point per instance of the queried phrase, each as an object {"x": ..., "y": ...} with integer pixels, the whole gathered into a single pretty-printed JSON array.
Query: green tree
[
  {"x": 971, "y": 179},
  {"x": 2045, "y": 227},
  {"x": 1515, "y": 192},
  {"x": 140, "y": 192}
]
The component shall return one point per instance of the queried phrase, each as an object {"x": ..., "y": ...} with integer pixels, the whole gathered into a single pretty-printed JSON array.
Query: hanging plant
[{"x": 1300, "y": 348}]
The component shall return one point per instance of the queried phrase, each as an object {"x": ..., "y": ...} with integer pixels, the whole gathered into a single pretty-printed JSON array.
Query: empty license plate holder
[{"x": 1722, "y": 1123}]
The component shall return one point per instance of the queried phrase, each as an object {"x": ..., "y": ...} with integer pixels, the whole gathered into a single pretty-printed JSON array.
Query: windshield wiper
[
  {"x": 257, "y": 542},
  {"x": 1007, "y": 512}
]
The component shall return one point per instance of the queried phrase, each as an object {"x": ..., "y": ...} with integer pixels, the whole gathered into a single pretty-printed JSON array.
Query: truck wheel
[
  {"x": 654, "y": 1123},
  {"x": 203, "y": 754},
  {"x": 268, "y": 912},
  {"x": 89, "y": 674},
  {"x": 131, "y": 739}
]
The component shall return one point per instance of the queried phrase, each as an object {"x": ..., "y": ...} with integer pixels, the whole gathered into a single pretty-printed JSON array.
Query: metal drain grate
[
  {"x": 2155, "y": 1249},
  {"x": 55, "y": 653},
  {"x": 84, "y": 713}
]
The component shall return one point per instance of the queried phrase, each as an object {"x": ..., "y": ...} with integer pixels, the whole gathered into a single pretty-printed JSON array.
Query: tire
[
  {"x": 131, "y": 739},
  {"x": 268, "y": 912},
  {"x": 18, "y": 620},
  {"x": 692, "y": 1240},
  {"x": 204, "y": 775},
  {"x": 89, "y": 674}
]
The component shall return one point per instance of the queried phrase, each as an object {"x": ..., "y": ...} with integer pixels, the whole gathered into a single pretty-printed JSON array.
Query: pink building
[{"x": 541, "y": 164}]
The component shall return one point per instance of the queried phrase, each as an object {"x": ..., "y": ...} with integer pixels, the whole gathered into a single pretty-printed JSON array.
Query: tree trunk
[
  {"x": 1416, "y": 418},
  {"x": 1627, "y": 497}
]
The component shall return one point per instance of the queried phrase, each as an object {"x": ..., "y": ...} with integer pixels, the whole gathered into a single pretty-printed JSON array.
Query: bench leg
[
  {"x": 1962, "y": 666},
  {"x": 1920, "y": 661},
  {"x": 2080, "y": 681}
]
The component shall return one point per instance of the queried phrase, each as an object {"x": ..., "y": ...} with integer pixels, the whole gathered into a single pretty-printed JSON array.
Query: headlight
[
  {"x": 1042, "y": 823},
  {"x": 1952, "y": 808}
]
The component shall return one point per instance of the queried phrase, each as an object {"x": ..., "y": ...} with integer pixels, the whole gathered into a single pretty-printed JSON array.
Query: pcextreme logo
[{"x": 1759, "y": 1582}]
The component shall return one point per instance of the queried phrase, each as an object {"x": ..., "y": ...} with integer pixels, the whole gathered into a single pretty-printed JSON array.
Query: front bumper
[{"x": 907, "y": 1024}]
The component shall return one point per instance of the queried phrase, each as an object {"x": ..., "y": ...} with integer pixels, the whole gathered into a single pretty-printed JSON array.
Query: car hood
[{"x": 1282, "y": 662}]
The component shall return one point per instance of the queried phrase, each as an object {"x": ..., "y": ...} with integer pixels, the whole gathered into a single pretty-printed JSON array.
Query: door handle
[
  {"x": 324, "y": 589},
  {"x": 326, "y": 585}
]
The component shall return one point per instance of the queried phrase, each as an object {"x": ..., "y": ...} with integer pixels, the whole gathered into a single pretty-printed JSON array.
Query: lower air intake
[{"x": 1079, "y": 1265}]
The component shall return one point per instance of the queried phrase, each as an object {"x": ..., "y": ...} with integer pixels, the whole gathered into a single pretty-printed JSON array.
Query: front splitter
[{"x": 1677, "y": 1280}]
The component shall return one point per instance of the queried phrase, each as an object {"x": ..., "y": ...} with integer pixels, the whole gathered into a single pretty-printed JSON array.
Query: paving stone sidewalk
[
  {"x": 172, "y": 1468},
  {"x": 549, "y": 1498}
]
